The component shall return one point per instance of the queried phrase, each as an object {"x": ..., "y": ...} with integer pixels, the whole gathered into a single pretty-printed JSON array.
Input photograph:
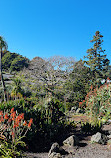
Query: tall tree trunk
[{"x": 1, "y": 77}]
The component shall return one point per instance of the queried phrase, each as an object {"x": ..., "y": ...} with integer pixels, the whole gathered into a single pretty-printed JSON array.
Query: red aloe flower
[
  {"x": 1, "y": 113},
  {"x": 91, "y": 87},
  {"x": 25, "y": 123},
  {"x": 9, "y": 120},
  {"x": 6, "y": 116},
  {"x": 2, "y": 119},
  {"x": 80, "y": 103},
  {"x": 13, "y": 115},
  {"x": 30, "y": 122},
  {"x": 14, "y": 125},
  {"x": 12, "y": 110}
]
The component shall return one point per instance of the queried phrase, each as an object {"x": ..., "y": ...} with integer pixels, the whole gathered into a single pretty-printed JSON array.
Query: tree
[
  {"x": 48, "y": 75},
  {"x": 3, "y": 46},
  {"x": 96, "y": 60},
  {"x": 7, "y": 60},
  {"x": 77, "y": 85},
  {"x": 19, "y": 63}
]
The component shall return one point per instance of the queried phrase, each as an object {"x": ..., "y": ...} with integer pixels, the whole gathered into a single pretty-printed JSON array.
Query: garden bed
[{"x": 85, "y": 149}]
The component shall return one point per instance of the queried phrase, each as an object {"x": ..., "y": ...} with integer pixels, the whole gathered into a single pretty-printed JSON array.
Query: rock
[
  {"x": 55, "y": 155},
  {"x": 62, "y": 151},
  {"x": 54, "y": 148},
  {"x": 109, "y": 144},
  {"x": 99, "y": 138},
  {"x": 109, "y": 137},
  {"x": 109, "y": 121},
  {"x": 71, "y": 141},
  {"x": 71, "y": 150},
  {"x": 109, "y": 131}
]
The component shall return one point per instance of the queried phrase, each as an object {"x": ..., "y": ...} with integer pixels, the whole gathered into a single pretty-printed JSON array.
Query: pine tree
[{"x": 96, "y": 60}]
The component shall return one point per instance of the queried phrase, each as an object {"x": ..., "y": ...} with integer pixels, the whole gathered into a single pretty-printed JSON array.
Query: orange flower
[
  {"x": 108, "y": 78},
  {"x": 80, "y": 103},
  {"x": 2, "y": 119},
  {"x": 14, "y": 125},
  {"x": 25, "y": 123},
  {"x": 17, "y": 122},
  {"x": 12, "y": 110},
  {"x": 30, "y": 122},
  {"x": 91, "y": 87},
  {"x": 1, "y": 113},
  {"x": 6, "y": 116},
  {"x": 9, "y": 120},
  {"x": 21, "y": 116},
  {"x": 13, "y": 115}
]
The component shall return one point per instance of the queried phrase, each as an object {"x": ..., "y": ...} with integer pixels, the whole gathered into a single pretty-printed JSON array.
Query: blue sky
[{"x": 54, "y": 27}]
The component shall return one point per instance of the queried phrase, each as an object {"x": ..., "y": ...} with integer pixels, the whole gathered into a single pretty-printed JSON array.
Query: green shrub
[
  {"x": 91, "y": 128},
  {"x": 98, "y": 102},
  {"x": 49, "y": 121}
]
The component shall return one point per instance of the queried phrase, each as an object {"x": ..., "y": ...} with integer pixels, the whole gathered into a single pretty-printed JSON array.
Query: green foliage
[
  {"x": 7, "y": 60},
  {"x": 77, "y": 85},
  {"x": 3, "y": 44},
  {"x": 98, "y": 103},
  {"x": 91, "y": 128},
  {"x": 17, "y": 90},
  {"x": 6, "y": 151},
  {"x": 19, "y": 63},
  {"x": 53, "y": 90},
  {"x": 49, "y": 121},
  {"x": 96, "y": 60},
  {"x": 14, "y": 61}
]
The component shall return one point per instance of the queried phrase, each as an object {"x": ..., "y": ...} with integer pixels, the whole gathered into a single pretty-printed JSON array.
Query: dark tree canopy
[{"x": 14, "y": 61}]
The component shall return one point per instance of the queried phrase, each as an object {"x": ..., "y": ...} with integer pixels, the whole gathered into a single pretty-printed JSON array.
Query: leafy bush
[
  {"x": 14, "y": 61},
  {"x": 49, "y": 121},
  {"x": 91, "y": 128},
  {"x": 18, "y": 63},
  {"x": 98, "y": 102}
]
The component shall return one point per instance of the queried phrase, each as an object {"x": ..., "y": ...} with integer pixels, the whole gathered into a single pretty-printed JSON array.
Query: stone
[
  {"x": 54, "y": 149},
  {"x": 71, "y": 141},
  {"x": 109, "y": 144},
  {"x": 109, "y": 121},
  {"x": 54, "y": 155},
  {"x": 62, "y": 151},
  {"x": 109, "y": 137},
  {"x": 99, "y": 138},
  {"x": 109, "y": 131}
]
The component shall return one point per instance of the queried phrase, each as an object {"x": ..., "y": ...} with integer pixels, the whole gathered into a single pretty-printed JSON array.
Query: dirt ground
[
  {"x": 89, "y": 151},
  {"x": 85, "y": 149}
]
